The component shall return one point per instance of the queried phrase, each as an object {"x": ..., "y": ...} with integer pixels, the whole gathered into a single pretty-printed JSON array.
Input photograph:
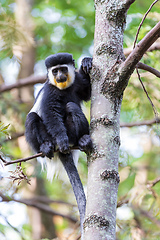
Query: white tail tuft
[
  {"x": 75, "y": 154},
  {"x": 54, "y": 166}
]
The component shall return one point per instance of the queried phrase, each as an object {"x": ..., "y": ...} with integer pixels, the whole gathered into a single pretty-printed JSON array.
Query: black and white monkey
[{"x": 56, "y": 120}]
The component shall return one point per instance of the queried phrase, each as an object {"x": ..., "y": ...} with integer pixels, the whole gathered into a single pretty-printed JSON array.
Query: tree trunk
[
  {"x": 26, "y": 94},
  {"x": 110, "y": 75},
  {"x": 23, "y": 17},
  {"x": 103, "y": 177}
]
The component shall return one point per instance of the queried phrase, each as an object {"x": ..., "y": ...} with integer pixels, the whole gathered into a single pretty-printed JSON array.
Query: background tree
[{"x": 67, "y": 26}]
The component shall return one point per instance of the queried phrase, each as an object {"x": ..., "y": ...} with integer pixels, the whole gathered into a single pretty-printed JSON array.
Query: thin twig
[
  {"x": 150, "y": 186},
  {"x": 153, "y": 107},
  {"x": 132, "y": 124},
  {"x": 23, "y": 159},
  {"x": 47, "y": 201},
  {"x": 3, "y": 160},
  {"x": 122, "y": 202},
  {"x": 154, "y": 182},
  {"x": 142, "y": 123},
  {"x": 144, "y": 17},
  {"x": 28, "y": 158}
]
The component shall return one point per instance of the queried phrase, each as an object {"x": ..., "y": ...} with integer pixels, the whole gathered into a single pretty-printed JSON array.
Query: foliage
[
  {"x": 12, "y": 34},
  {"x": 3, "y": 129}
]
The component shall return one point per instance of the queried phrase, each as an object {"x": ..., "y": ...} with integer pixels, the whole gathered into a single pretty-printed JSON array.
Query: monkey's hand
[
  {"x": 47, "y": 149},
  {"x": 85, "y": 143},
  {"x": 86, "y": 64},
  {"x": 72, "y": 108},
  {"x": 63, "y": 143}
]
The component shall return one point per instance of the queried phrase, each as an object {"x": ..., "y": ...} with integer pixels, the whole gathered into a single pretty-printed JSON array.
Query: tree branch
[
  {"x": 128, "y": 3},
  {"x": 153, "y": 182},
  {"x": 20, "y": 160},
  {"x": 135, "y": 124},
  {"x": 46, "y": 200},
  {"x": 132, "y": 124},
  {"x": 155, "y": 46},
  {"x": 128, "y": 66},
  {"x": 149, "y": 69},
  {"x": 31, "y": 80},
  {"x": 38, "y": 205},
  {"x": 27, "y": 158}
]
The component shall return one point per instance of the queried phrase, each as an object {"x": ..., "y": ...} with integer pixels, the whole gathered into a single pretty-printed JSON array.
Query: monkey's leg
[
  {"x": 37, "y": 135},
  {"x": 77, "y": 127},
  {"x": 67, "y": 161}
]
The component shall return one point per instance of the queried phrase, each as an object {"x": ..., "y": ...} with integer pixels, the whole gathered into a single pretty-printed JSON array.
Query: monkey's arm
[
  {"x": 77, "y": 127},
  {"x": 37, "y": 135},
  {"x": 82, "y": 80}
]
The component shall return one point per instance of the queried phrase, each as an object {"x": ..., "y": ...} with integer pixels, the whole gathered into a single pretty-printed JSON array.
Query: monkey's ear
[{"x": 73, "y": 61}]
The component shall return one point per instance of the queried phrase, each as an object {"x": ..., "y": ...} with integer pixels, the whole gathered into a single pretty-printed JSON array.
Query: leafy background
[{"x": 33, "y": 30}]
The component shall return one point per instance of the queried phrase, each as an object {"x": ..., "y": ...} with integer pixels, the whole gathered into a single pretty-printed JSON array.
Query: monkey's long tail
[{"x": 68, "y": 163}]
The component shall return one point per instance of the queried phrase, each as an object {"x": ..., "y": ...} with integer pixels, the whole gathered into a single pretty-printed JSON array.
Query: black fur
[
  {"x": 67, "y": 161},
  {"x": 59, "y": 58},
  {"x": 62, "y": 120},
  {"x": 59, "y": 121}
]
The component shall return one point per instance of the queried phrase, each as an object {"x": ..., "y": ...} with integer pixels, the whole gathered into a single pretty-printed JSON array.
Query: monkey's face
[{"x": 61, "y": 76}]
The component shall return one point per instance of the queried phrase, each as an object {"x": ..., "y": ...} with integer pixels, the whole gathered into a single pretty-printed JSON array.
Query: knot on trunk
[
  {"x": 96, "y": 221},
  {"x": 107, "y": 174}
]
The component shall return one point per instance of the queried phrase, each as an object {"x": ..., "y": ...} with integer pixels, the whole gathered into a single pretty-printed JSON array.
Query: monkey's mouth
[{"x": 61, "y": 80}]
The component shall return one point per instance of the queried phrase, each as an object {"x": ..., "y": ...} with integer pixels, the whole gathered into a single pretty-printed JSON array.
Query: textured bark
[{"x": 103, "y": 178}]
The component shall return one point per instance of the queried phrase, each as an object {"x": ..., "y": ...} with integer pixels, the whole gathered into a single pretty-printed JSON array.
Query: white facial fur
[{"x": 70, "y": 80}]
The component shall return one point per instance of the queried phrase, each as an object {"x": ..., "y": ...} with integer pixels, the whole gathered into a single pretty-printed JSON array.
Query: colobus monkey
[{"x": 56, "y": 120}]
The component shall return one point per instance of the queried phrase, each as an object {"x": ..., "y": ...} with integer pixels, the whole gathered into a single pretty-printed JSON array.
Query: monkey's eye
[
  {"x": 64, "y": 69},
  {"x": 55, "y": 71}
]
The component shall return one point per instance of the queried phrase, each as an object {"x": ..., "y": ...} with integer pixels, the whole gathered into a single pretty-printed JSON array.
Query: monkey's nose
[{"x": 61, "y": 78}]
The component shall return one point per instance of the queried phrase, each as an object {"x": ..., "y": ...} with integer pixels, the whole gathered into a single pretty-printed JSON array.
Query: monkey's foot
[
  {"x": 85, "y": 143},
  {"x": 63, "y": 144},
  {"x": 47, "y": 149}
]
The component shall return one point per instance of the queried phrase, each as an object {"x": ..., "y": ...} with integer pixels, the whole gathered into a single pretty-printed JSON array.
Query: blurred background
[{"x": 31, "y": 207}]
